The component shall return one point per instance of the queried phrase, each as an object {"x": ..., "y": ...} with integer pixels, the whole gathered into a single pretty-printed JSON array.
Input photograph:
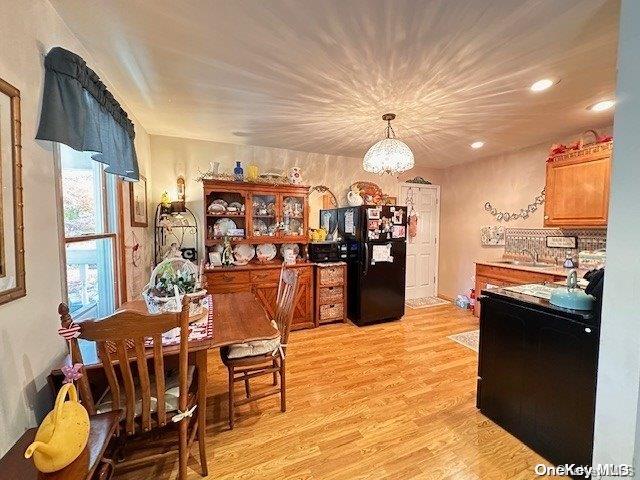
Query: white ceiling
[{"x": 316, "y": 75}]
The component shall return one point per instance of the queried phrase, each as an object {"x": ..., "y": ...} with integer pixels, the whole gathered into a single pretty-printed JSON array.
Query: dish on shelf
[
  {"x": 243, "y": 253},
  {"x": 290, "y": 246},
  {"x": 260, "y": 227},
  {"x": 235, "y": 207},
  {"x": 294, "y": 226},
  {"x": 266, "y": 252},
  {"x": 219, "y": 201},
  {"x": 215, "y": 208},
  {"x": 292, "y": 207},
  {"x": 222, "y": 226}
]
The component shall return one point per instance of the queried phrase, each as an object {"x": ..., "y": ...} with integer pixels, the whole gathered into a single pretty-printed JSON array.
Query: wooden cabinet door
[
  {"x": 303, "y": 308},
  {"x": 577, "y": 192},
  {"x": 266, "y": 293}
]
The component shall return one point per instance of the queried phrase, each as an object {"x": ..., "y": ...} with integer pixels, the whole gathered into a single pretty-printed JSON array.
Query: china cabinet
[{"x": 271, "y": 218}]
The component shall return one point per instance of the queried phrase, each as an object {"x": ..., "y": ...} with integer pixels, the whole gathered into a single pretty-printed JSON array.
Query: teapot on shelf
[
  {"x": 62, "y": 435},
  {"x": 354, "y": 198}
]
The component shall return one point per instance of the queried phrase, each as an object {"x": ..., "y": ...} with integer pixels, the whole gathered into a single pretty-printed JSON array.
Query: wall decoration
[
  {"x": 492, "y": 236},
  {"x": 523, "y": 213},
  {"x": 562, "y": 242},
  {"x": 12, "y": 271},
  {"x": 419, "y": 180},
  {"x": 138, "y": 202}
]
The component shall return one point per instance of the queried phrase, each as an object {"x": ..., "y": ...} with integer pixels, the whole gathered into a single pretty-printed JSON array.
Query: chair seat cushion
[
  {"x": 171, "y": 395},
  {"x": 251, "y": 349}
]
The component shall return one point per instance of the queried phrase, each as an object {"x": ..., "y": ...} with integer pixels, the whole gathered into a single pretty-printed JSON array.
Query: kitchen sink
[{"x": 524, "y": 264}]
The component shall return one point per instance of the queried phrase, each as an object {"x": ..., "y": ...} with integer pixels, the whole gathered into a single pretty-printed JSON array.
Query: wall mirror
[
  {"x": 12, "y": 281},
  {"x": 320, "y": 198}
]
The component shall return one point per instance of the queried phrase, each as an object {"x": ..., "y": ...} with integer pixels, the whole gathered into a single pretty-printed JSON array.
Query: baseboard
[{"x": 445, "y": 297}]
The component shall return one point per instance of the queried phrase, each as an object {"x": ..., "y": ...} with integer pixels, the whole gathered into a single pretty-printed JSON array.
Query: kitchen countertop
[
  {"x": 542, "y": 304},
  {"x": 549, "y": 269}
]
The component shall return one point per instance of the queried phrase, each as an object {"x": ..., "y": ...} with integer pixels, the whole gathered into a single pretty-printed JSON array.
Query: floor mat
[
  {"x": 425, "y": 302},
  {"x": 469, "y": 339}
]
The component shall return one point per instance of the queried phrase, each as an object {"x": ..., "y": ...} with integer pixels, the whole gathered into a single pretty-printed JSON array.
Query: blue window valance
[{"x": 79, "y": 111}]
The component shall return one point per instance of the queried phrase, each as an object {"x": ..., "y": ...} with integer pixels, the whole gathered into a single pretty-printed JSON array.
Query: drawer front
[
  {"x": 331, "y": 276},
  {"x": 330, "y": 312},
  {"x": 226, "y": 278},
  {"x": 329, "y": 295},
  {"x": 266, "y": 276}
]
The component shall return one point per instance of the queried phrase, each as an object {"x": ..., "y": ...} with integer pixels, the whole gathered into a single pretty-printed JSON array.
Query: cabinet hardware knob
[
  {"x": 546, "y": 217},
  {"x": 588, "y": 330}
]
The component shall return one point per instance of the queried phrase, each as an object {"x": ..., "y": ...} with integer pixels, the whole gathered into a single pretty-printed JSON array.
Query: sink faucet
[{"x": 532, "y": 253}]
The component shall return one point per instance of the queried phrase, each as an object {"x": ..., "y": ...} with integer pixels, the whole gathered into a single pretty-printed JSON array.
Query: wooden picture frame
[
  {"x": 138, "y": 203},
  {"x": 18, "y": 289}
]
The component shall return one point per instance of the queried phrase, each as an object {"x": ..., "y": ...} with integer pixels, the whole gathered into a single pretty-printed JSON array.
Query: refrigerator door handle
[{"x": 366, "y": 259}]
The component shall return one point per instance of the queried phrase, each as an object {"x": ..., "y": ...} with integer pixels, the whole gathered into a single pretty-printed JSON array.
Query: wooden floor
[{"x": 394, "y": 400}]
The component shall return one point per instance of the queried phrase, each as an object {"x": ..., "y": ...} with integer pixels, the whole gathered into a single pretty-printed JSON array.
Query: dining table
[{"x": 230, "y": 318}]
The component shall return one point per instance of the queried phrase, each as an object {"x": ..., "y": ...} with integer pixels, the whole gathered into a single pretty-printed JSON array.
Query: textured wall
[
  {"x": 29, "y": 344},
  {"x": 509, "y": 182},
  {"x": 173, "y": 156}
]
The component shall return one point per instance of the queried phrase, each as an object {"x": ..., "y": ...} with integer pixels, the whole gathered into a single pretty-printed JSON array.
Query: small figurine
[
  {"x": 227, "y": 253},
  {"x": 173, "y": 252}
]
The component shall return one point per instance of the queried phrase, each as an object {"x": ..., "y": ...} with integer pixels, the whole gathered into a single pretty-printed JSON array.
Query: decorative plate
[
  {"x": 243, "y": 253},
  {"x": 266, "y": 252},
  {"x": 260, "y": 226},
  {"x": 224, "y": 224},
  {"x": 216, "y": 208},
  {"x": 370, "y": 192},
  {"x": 294, "y": 226},
  {"x": 219, "y": 201},
  {"x": 290, "y": 246},
  {"x": 235, "y": 207}
]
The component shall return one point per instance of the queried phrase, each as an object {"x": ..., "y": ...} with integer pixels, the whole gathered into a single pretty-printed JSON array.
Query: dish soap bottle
[
  {"x": 238, "y": 172},
  {"x": 568, "y": 262}
]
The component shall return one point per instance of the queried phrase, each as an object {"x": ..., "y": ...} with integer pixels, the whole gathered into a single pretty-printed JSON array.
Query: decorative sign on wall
[
  {"x": 562, "y": 242},
  {"x": 492, "y": 236},
  {"x": 523, "y": 213}
]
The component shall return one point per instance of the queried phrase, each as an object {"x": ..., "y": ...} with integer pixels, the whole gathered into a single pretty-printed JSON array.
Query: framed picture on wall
[{"x": 138, "y": 202}]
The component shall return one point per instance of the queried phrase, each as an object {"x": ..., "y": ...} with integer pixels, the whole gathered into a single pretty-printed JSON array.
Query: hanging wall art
[{"x": 523, "y": 213}]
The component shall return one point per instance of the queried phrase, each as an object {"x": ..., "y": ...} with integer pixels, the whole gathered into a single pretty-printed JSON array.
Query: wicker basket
[{"x": 173, "y": 304}]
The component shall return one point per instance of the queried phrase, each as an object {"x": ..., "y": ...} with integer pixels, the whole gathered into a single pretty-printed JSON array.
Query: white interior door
[{"x": 422, "y": 250}]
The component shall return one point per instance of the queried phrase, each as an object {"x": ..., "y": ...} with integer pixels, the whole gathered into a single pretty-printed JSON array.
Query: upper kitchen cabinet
[{"x": 577, "y": 187}]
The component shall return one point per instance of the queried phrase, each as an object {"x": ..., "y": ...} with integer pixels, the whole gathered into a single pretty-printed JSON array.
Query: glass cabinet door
[
  {"x": 263, "y": 215},
  {"x": 293, "y": 216}
]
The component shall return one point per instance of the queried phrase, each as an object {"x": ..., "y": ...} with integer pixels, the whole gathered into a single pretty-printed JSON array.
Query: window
[{"x": 89, "y": 222}]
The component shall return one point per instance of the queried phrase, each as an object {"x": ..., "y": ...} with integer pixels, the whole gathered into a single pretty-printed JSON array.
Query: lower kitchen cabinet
[
  {"x": 537, "y": 377},
  {"x": 506, "y": 277},
  {"x": 263, "y": 281}
]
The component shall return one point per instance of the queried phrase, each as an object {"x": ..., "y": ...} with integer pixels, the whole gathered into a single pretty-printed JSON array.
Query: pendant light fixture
[{"x": 389, "y": 155}]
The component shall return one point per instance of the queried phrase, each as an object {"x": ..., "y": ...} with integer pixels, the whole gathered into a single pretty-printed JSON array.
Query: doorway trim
[{"x": 401, "y": 201}]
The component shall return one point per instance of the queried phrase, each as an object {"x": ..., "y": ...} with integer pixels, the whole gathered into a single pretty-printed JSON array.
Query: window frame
[{"x": 114, "y": 236}]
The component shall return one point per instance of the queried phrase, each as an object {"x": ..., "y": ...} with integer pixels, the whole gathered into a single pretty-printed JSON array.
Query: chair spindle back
[{"x": 120, "y": 341}]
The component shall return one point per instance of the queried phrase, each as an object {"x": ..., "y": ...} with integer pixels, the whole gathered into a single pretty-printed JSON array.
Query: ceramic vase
[{"x": 238, "y": 172}]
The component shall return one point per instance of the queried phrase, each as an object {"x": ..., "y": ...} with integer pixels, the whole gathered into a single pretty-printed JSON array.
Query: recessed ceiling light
[
  {"x": 477, "y": 144},
  {"x": 601, "y": 106},
  {"x": 543, "y": 84}
]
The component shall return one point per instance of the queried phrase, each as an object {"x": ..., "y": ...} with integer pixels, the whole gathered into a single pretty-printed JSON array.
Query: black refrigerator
[{"x": 375, "y": 239}]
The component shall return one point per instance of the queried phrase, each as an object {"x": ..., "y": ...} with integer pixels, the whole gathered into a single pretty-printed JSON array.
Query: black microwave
[{"x": 323, "y": 252}]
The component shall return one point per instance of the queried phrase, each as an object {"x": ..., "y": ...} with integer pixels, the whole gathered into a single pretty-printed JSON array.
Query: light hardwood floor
[{"x": 389, "y": 401}]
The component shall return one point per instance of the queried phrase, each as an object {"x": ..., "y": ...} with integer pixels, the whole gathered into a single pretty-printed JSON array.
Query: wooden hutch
[{"x": 271, "y": 214}]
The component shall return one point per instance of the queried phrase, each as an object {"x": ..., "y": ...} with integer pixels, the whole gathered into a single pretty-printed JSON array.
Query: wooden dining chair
[
  {"x": 272, "y": 362},
  {"x": 145, "y": 398}
]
